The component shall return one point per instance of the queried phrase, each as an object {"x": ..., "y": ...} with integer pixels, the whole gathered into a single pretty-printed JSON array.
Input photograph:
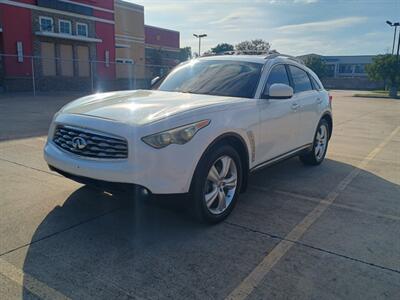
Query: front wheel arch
[
  {"x": 239, "y": 144},
  {"x": 328, "y": 117}
]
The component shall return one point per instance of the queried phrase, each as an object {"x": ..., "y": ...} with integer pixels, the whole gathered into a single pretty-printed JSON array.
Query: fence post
[
  {"x": 91, "y": 75},
  {"x": 134, "y": 77},
  {"x": 33, "y": 76}
]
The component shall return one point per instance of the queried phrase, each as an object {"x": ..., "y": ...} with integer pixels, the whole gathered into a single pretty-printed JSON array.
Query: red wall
[
  {"x": 166, "y": 38},
  {"x": 16, "y": 22},
  {"x": 17, "y": 26},
  {"x": 106, "y": 33},
  {"x": 108, "y": 4}
]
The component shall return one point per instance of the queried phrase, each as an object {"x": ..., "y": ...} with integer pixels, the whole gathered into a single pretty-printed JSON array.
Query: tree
[
  {"x": 384, "y": 67},
  {"x": 256, "y": 46},
  {"x": 316, "y": 64},
  {"x": 223, "y": 47},
  {"x": 185, "y": 53}
]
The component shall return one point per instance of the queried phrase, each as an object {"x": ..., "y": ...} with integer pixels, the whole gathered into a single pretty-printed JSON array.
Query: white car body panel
[{"x": 268, "y": 128}]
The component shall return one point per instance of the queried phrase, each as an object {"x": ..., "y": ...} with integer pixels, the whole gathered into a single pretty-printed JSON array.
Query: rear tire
[
  {"x": 320, "y": 145},
  {"x": 216, "y": 184}
]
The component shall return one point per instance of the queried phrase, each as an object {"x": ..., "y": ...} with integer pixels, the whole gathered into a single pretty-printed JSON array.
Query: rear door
[{"x": 307, "y": 98}]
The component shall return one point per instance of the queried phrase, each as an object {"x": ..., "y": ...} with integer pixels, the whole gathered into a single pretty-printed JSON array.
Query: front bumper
[
  {"x": 112, "y": 186},
  {"x": 161, "y": 171}
]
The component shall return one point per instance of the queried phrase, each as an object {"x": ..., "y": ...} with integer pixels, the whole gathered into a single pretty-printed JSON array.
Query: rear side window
[
  {"x": 315, "y": 84},
  {"x": 278, "y": 74},
  {"x": 301, "y": 80}
]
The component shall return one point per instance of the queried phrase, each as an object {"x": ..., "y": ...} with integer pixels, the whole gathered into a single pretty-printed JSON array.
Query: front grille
[{"x": 89, "y": 144}]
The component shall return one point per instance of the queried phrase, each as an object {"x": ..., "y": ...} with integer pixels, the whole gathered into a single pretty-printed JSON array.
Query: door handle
[
  {"x": 295, "y": 106},
  {"x": 319, "y": 100}
]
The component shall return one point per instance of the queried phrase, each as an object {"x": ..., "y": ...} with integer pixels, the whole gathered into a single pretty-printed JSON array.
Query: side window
[
  {"x": 300, "y": 80},
  {"x": 278, "y": 74},
  {"x": 315, "y": 84}
]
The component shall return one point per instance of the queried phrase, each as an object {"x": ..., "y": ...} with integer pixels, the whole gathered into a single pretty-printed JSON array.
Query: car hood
[{"x": 141, "y": 106}]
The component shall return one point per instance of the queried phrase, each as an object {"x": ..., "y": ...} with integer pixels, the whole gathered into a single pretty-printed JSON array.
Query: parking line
[
  {"x": 318, "y": 200},
  {"x": 35, "y": 286},
  {"x": 244, "y": 289}
]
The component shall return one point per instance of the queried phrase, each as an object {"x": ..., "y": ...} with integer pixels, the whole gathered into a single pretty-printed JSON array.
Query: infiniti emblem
[{"x": 79, "y": 143}]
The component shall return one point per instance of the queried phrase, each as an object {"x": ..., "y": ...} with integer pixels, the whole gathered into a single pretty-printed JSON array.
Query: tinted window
[
  {"x": 315, "y": 83},
  {"x": 278, "y": 75},
  {"x": 300, "y": 80},
  {"x": 220, "y": 78}
]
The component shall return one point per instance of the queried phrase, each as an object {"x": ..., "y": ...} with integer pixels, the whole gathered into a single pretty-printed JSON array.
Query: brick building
[
  {"x": 64, "y": 35},
  {"x": 78, "y": 44},
  {"x": 129, "y": 40}
]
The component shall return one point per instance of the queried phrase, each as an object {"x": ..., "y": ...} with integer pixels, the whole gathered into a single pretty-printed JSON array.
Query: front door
[
  {"x": 308, "y": 98},
  {"x": 279, "y": 120}
]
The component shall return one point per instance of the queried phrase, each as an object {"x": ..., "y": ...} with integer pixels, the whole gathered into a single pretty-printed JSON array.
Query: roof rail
[
  {"x": 273, "y": 55},
  {"x": 269, "y": 55},
  {"x": 238, "y": 52}
]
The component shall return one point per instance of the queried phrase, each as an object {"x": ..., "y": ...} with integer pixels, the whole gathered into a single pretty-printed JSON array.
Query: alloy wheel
[
  {"x": 321, "y": 141},
  {"x": 220, "y": 186}
]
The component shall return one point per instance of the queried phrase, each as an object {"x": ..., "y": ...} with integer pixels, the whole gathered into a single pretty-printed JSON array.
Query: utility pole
[{"x": 199, "y": 36}]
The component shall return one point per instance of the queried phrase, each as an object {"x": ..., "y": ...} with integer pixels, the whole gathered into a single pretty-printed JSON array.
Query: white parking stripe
[
  {"x": 244, "y": 289},
  {"x": 29, "y": 282},
  {"x": 318, "y": 200}
]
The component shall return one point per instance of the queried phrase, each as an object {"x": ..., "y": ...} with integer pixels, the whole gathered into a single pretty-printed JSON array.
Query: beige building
[{"x": 129, "y": 40}]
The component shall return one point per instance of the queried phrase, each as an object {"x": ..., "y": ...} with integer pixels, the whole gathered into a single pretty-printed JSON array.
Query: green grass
[
  {"x": 380, "y": 92},
  {"x": 374, "y": 94}
]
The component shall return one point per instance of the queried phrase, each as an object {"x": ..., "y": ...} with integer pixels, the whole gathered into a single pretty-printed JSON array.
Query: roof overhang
[{"x": 68, "y": 36}]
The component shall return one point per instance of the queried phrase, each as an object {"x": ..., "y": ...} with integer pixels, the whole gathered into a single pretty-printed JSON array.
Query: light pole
[
  {"x": 199, "y": 36},
  {"x": 397, "y": 59},
  {"x": 391, "y": 24},
  {"x": 393, "y": 90}
]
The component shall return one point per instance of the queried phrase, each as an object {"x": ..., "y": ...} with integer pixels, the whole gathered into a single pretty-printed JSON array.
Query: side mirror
[
  {"x": 279, "y": 91},
  {"x": 154, "y": 80}
]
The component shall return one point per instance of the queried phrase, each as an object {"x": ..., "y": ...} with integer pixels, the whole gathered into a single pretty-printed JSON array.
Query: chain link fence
[{"x": 52, "y": 74}]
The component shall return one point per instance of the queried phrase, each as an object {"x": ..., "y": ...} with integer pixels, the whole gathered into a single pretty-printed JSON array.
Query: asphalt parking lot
[{"x": 299, "y": 232}]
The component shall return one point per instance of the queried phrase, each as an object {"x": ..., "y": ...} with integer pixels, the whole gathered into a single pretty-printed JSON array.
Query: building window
[
  {"x": 83, "y": 61},
  {"x": 330, "y": 70},
  {"x": 345, "y": 68},
  {"x": 47, "y": 51},
  {"x": 46, "y": 24},
  {"x": 64, "y": 27},
  {"x": 66, "y": 60},
  {"x": 81, "y": 29},
  {"x": 360, "y": 69}
]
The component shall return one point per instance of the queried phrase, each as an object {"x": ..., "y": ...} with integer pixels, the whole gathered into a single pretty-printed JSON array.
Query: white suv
[{"x": 207, "y": 125}]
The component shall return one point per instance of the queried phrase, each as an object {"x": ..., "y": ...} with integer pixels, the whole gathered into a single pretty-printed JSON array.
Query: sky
[{"x": 295, "y": 27}]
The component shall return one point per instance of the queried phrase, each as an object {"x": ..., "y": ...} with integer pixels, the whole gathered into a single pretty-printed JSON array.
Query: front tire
[
  {"x": 320, "y": 145},
  {"x": 216, "y": 184}
]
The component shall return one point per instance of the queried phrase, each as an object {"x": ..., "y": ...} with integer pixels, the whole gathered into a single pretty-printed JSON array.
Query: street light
[
  {"x": 199, "y": 36},
  {"x": 391, "y": 24},
  {"x": 393, "y": 91}
]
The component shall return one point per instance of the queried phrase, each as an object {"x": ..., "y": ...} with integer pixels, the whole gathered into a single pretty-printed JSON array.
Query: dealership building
[
  {"x": 73, "y": 44},
  {"x": 347, "y": 71}
]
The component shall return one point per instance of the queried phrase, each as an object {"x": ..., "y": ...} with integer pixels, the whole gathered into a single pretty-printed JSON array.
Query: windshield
[{"x": 214, "y": 77}]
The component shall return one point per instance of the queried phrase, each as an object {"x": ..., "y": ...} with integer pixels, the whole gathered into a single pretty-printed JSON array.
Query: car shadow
[{"x": 154, "y": 249}]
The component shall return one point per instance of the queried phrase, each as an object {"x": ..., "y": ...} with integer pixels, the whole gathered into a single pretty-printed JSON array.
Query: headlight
[{"x": 180, "y": 135}]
